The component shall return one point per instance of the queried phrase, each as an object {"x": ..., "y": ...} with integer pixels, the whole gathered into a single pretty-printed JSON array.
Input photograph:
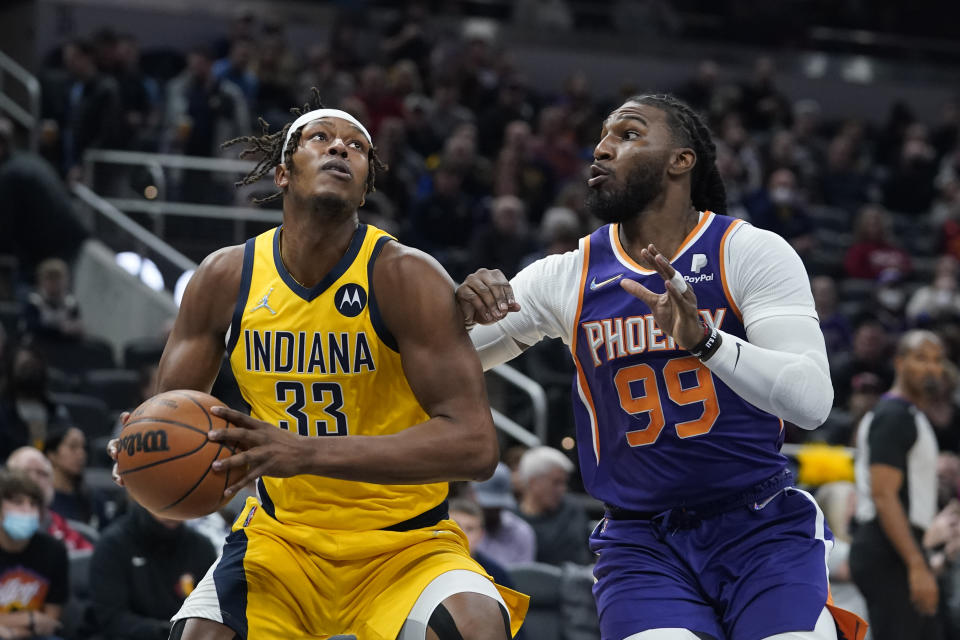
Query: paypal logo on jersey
[
  {"x": 350, "y": 299},
  {"x": 698, "y": 262},
  {"x": 703, "y": 277}
]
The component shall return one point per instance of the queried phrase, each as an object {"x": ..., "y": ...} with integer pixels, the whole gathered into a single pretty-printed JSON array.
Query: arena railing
[
  {"x": 102, "y": 208},
  {"x": 29, "y": 117},
  {"x": 157, "y": 205},
  {"x": 112, "y": 211}
]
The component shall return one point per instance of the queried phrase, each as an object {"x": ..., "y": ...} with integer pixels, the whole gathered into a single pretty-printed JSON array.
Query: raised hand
[
  {"x": 486, "y": 297},
  {"x": 675, "y": 312}
]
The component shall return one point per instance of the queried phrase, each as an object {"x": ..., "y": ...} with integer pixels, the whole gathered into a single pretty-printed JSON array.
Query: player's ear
[
  {"x": 683, "y": 160},
  {"x": 281, "y": 177}
]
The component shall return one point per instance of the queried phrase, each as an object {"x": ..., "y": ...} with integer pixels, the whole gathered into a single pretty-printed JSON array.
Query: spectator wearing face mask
[
  {"x": 779, "y": 208},
  {"x": 889, "y": 300},
  {"x": 939, "y": 300},
  {"x": 33, "y": 565},
  {"x": 35, "y": 465}
]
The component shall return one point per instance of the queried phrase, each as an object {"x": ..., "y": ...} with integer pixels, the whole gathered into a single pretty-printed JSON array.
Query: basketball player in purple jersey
[{"x": 694, "y": 336}]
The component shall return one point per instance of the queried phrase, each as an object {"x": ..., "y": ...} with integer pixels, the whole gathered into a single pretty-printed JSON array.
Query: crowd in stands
[{"x": 484, "y": 171}]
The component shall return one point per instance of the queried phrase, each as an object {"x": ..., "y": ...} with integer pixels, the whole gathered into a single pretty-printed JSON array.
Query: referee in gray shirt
[{"x": 896, "y": 469}]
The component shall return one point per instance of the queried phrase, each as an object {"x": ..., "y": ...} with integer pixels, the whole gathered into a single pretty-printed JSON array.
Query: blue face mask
[{"x": 21, "y": 526}]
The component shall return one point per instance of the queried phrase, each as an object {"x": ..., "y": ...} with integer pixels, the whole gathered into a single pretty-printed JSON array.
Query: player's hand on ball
[
  {"x": 675, "y": 311},
  {"x": 486, "y": 297},
  {"x": 266, "y": 450},
  {"x": 113, "y": 448}
]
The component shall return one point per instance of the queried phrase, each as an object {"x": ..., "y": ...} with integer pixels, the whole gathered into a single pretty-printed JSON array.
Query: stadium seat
[
  {"x": 856, "y": 289},
  {"x": 141, "y": 352},
  {"x": 73, "y": 358},
  {"x": 59, "y": 382},
  {"x": 119, "y": 388},
  {"x": 97, "y": 456},
  {"x": 80, "y": 571},
  {"x": 9, "y": 317},
  {"x": 88, "y": 413},
  {"x": 87, "y": 531},
  {"x": 114, "y": 497},
  {"x": 75, "y": 617},
  {"x": 577, "y": 606},
  {"x": 831, "y": 218},
  {"x": 542, "y": 582}
]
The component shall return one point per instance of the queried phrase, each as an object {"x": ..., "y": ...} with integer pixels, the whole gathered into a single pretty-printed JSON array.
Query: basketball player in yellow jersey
[{"x": 366, "y": 398}]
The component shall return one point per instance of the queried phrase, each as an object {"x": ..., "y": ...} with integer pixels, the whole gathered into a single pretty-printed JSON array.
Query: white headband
[{"x": 316, "y": 114}]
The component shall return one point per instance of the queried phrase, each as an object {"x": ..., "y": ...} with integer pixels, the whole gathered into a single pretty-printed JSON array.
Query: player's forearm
[
  {"x": 441, "y": 449},
  {"x": 893, "y": 520},
  {"x": 494, "y": 346},
  {"x": 791, "y": 386}
]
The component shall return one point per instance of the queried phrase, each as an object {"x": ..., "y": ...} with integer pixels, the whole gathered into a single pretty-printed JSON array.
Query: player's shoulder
[
  {"x": 892, "y": 407},
  {"x": 744, "y": 237},
  {"x": 398, "y": 263},
  {"x": 222, "y": 268}
]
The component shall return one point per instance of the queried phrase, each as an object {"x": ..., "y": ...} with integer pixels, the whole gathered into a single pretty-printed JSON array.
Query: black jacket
[{"x": 140, "y": 574}]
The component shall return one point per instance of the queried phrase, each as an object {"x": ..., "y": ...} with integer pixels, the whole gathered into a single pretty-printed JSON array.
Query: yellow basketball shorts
[{"x": 271, "y": 586}]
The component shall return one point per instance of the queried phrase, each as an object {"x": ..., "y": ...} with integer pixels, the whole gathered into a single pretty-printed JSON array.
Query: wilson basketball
[{"x": 165, "y": 457}]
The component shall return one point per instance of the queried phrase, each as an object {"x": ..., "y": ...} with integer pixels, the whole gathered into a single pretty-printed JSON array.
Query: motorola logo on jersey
[{"x": 350, "y": 299}]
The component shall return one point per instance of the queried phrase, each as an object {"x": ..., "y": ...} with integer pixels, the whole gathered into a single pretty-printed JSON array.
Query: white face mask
[
  {"x": 890, "y": 298},
  {"x": 782, "y": 195}
]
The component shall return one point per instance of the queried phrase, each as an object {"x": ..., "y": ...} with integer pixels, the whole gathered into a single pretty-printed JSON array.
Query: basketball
[{"x": 165, "y": 458}]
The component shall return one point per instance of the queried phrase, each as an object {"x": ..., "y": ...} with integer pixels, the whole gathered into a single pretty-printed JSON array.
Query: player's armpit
[
  {"x": 458, "y": 442},
  {"x": 191, "y": 358}
]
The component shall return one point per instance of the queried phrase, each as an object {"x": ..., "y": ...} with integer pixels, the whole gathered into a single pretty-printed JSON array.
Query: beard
[
  {"x": 332, "y": 206},
  {"x": 615, "y": 204}
]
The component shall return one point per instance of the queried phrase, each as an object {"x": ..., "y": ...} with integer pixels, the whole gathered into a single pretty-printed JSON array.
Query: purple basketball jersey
[{"x": 656, "y": 429}]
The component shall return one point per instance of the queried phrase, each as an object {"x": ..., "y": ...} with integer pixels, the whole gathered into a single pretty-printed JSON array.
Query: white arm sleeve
[
  {"x": 548, "y": 291},
  {"x": 783, "y": 368}
]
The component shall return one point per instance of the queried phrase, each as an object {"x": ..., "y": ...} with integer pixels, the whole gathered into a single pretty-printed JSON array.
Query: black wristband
[{"x": 708, "y": 346}]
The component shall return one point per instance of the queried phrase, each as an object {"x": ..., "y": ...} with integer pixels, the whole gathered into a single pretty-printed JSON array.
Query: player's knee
[
  {"x": 470, "y": 616},
  {"x": 200, "y": 629}
]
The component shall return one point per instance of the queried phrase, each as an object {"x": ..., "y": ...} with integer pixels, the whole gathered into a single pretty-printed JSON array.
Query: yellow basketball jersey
[{"x": 320, "y": 362}]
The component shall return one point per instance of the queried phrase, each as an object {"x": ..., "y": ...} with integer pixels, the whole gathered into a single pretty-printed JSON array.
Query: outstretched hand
[
  {"x": 265, "y": 449},
  {"x": 675, "y": 313},
  {"x": 486, "y": 297}
]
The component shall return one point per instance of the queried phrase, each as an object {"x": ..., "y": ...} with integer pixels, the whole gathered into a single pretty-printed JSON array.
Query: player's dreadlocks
[
  {"x": 268, "y": 147},
  {"x": 707, "y": 192}
]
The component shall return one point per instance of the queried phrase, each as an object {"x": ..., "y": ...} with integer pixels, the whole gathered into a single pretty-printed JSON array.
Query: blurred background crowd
[{"x": 486, "y": 169}]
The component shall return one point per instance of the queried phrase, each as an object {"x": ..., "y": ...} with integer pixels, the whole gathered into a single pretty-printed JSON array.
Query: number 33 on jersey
[{"x": 311, "y": 361}]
